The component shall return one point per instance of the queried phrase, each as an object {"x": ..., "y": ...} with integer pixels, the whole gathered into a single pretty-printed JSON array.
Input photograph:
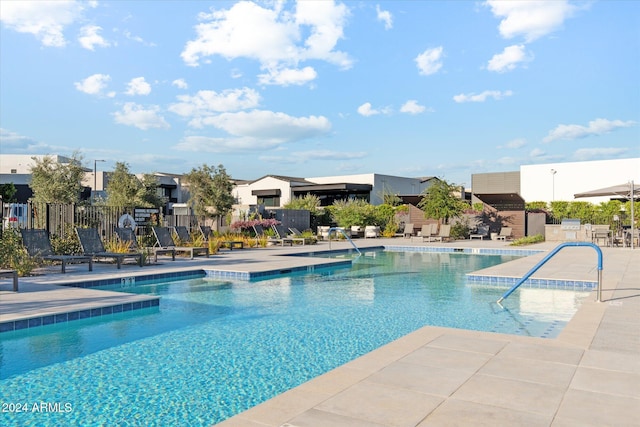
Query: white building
[
  {"x": 277, "y": 191},
  {"x": 560, "y": 181}
]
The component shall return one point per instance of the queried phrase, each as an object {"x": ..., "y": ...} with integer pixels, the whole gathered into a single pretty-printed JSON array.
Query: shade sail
[{"x": 622, "y": 190}]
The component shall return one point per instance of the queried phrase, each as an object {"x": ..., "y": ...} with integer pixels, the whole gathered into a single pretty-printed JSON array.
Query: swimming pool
[{"x": 214, "y": 348}]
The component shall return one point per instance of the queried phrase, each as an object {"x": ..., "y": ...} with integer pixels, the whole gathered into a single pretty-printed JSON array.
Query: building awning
[
  {"x": 506, "y": 201},
  {"x": 275, "y": 192},
  {"x": 342, "y": 187}
]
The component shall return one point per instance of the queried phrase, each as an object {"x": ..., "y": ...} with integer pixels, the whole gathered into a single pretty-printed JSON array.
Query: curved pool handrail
[
  {"x": 341, "y": 230},
  {"x": 551, "y": 254}
]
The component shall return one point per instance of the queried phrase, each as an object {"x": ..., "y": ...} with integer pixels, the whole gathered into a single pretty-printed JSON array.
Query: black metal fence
[{"x": 61, "y": 219}]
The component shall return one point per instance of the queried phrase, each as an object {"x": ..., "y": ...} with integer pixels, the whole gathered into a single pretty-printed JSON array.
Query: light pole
[
  {"x": 553, "y": 184},
  {"x": 95, "y": 178}
]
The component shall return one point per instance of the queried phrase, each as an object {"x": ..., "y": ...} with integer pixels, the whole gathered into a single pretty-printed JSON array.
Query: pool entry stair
[
  {"x": 548, "y": 257},
  {"x": 346, "y": 236}
]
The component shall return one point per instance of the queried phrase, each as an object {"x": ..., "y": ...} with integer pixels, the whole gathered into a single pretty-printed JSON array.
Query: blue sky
[{"x": 318, "y": 88}]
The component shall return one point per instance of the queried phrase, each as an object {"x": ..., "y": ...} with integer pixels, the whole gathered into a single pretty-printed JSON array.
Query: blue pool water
[{"x": 214, "y": 348}]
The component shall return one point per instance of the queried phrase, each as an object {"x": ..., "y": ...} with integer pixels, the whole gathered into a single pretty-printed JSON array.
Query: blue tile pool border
[
  {"x": 259, "y": 275},
  {"x": 50, "y": 319}
]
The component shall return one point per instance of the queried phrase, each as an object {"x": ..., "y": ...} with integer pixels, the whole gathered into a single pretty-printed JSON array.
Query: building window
[
  {"x": 14, "y": 170},
  {"x": 270, "y": 201}
]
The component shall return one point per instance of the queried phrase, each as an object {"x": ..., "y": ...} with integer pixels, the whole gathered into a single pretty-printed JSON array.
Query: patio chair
[
  {"x": 371, "y": 231},
  {"x": 482, "y": 231},
  {"x": 92, "y": 245},
  {"x": 408, "y": 231},
  {"x": 427, "y": 232},
  {"x": 505, "y": 234},
  {"x": 38, "y": 245},
  {"x": 323, "y": 232},
  {"x": 282, "y": 233},
  {"x": 445, "y": 233},
  {"x": 165, "y": 240},
  {"x": 183, "y": 234},
  {"x": 259, "y": 230},
  {"x": 127, "y": 235},
  {"x": 13, "y": 275}
]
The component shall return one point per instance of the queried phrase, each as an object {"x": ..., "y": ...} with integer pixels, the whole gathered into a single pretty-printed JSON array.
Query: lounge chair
[
  {"x": 408, "y": 231},
  {"x": 92, "y": 245},
  {"x": 298, "y": 235},
  {"x": 165, "y": 240},
  {"x": 445, "y": 233},
  {"x": 13, "y": 275},
  {"x": 425, "y": 233},
  {"x": 206, "y": 232},
  {"x": 282, "y": 233},
  {"x": 38, "y": 245},
  {"x": 323, "y": 232},
  {"x": 259, "y": 230},
  {"x": 505, "y": 233},
  {"x": 482, "y": 231},
  {"x": 184, "y": 237},
  {"x": 127, "y": 235}
]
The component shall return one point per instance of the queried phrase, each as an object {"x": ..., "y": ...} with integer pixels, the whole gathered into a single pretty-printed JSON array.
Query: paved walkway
[{"x": 589, "y": 375}]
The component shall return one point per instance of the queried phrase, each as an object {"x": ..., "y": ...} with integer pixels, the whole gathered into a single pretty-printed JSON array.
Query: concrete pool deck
[{"x": 589, "y": 375}]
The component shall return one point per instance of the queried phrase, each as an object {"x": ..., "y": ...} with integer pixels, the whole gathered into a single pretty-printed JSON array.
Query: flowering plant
[{"x": 243, "y": 225}]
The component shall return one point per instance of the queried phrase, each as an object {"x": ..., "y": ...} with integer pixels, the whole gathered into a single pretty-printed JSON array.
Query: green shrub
[
  {"x": 13, "y": 255},
  {"x": 528, "y": 240}
]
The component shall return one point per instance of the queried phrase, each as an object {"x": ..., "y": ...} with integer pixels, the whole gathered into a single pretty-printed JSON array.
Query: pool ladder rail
[
  {"x": 341, "y": 230},
  {"x": 548, "y": 257}
]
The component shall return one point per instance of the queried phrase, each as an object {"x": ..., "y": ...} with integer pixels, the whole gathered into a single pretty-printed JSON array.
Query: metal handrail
[
  {"x": 551, "y": 254},
  {"x": 341, "y": 230}
]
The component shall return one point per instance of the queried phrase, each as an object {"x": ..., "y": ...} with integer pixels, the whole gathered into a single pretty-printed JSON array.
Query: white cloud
[
  {"x": 206, "y": 103},
  {"x": 138, "y": 86},
  {"x": 537, "y": 152},
  {"x": 133, "y": 114},
  {"x": 288, "y": 76},
  {"x": 509, "y": 59},
  {"x": 530, "y": 19},
  {"x": 273, "y": 36},
  {"x": 94, "y": 84},
  {"x": 516, "y": 143},
  {"x": 482, "y": 97},
  {"x": 412, "y": 107},
  {"x": 89, "y": 37},
  {"x": 598, "y": 153},
  {"x": 322, "y": 155},
  {"x": 366, "y": 110},
  {"x": 46, "y": 20},
  {"x": 385, "y": 16},
  {"x": 225, "y": 145},
  {"x": 269, "y": 125},
  {"x": 595, "y": 127},
  {"x": 180, "y": 84},
  {"x": 430, "y": 61}
]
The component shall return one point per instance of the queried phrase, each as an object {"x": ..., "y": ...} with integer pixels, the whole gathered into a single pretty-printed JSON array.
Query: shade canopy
[{"x": 621, "y": 190}]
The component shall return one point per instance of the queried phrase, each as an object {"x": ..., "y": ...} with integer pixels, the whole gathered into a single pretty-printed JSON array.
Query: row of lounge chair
[
  {"x": 282, "y": 236},
  {"x": 38, "y": 245}
]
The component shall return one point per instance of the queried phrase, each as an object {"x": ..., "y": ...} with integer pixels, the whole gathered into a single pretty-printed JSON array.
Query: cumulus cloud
[
  {"x": 384, "y": 16},
  {"x": 138, "y": 86},
  {"x": 94, "y": 84},
  {"x": 136, "y": 115},
  {"x": 412, "y": 107},
  {"x": 537, "y": 152},
  {"x": 180, "y": 84},
  {"x": 279, "y": 39},
  {"x": 509, "y": 59},
  {"x": 366, "y": 110},
  {"x": 598, "y": 153},
  {"x": 225, "y": 145},
  {"x": 482, "y": 97},
  {"x": 530, "y": 19},
  {"x": 46, "y": 20},
  {"x": 89, "y": 37},
  {"x": 595, "y": 127},
  {"x": 430, "y": 61},
  {"x": 262, "y": 124},
  {"x": 514, "y": 143},
  {"x": 206, "y": 103},
  {"x": 288, "y": 76}
]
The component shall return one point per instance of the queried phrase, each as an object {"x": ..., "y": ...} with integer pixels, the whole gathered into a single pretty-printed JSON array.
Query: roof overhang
[
  {"x": 341, "y": 187},
  {"x": 275, "y": 192}
]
